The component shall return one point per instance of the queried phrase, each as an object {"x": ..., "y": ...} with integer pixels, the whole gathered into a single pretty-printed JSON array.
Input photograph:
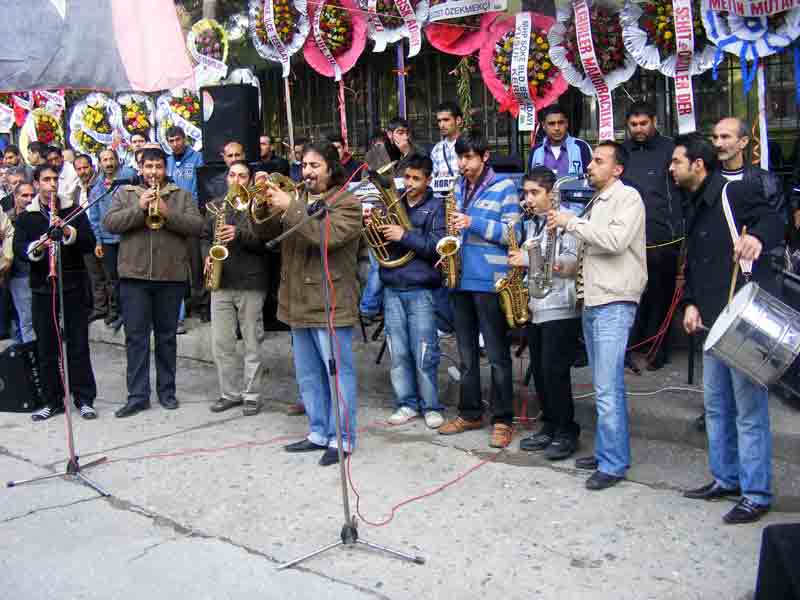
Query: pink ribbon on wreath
[{"x": 583, "y": 34}]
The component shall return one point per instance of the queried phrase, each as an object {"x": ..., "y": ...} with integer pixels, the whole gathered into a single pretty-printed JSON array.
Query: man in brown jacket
[
  {"x": 301, "y": 299},
  {"x": 153, "y": 266}
]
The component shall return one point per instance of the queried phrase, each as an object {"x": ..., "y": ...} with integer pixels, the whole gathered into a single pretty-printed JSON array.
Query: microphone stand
[
  {"x": 349, "y": 533},
  {"x": 56, "y": 235}
]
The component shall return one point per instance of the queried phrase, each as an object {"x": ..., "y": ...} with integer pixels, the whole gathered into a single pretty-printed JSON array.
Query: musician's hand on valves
[
  {"x": 692, "y": 322},
  {"x": 227, "y": 233},
  {"x": 260, "y": 177},
  {"x": 460, "y": 221},
  {"x": 515, "y": 258},
  {"x": 279, "y": 199},
  {"x": 146, "y": 198},
  {"x": 747, "y": 247},
  {"x": 98, "y": 251},
  {"x": 557, "y": 218},
  {"x": 206, "y": 265},
  {"x": 393, "y": 233}
]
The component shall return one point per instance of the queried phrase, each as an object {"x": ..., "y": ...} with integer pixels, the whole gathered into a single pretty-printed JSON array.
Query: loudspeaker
[
  {"x": 20, "y": 383},
  {"x": 230, "y": 113}
]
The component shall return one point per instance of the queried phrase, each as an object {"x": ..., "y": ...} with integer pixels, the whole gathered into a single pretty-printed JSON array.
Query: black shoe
[
  {"x": 711, "y": 491},
  {"x": 303, "y": 446},
  {"x": 116, "y": 324},
  {"x": 110, "y": 318},
  {"x": 130, "y": 409},
  {"x": 587, "y": 463},
  {"x": 87, "y": 412},
  {"x": 563, "y": 446},
  {"x": 746, "y": 511},
  {"x": 538, "y": 441},
  {"x": 48, "y": 411},
  {"x": 224, "y": 404},
  {"x": 632, "y": 365},
  {"x": 181, "y": 329},
  {"x": 700, "y": 422},
  {"x": 169, "y": 403},
  {"x": 601, "y": 481},
  {"x": 331, "y": 457},
  {"x": 96, "y": 315},
  {"x": 205, "y": 316}
]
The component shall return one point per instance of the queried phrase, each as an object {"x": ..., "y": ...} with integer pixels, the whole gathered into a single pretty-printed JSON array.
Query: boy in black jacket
[
  {"x": 78, "y": 240},
  {"x": 409, "y": 298}
]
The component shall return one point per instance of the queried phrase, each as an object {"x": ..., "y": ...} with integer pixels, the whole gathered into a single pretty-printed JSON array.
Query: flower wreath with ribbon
[
  {"x": 92, "y": 124},
  {"x": 648, "y": 30},
  {"x": 278, "y": 28},
  {"x": 179, "y": 108},
  {"x": 6, "y": 113},
  {"x": 518, "y": 70},
  {"x": 207, "y": 43},
  {"x": 52, "y": 102},
  {"x": 616, "y": 65},
  {"x": 40, "y": 126},
  {"x": 749, "y": 37},
  {"x": 137, "y": 116},
  {"x": 338, "y": 36},
  {"x": 461, "y": 35},
  {"x": 392, "y": 20}
]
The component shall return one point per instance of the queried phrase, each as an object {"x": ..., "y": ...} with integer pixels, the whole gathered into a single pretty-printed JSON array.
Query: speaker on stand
[{"x": 230, "y": 113}]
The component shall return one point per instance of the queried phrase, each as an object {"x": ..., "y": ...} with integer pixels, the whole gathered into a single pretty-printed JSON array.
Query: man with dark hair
[
  {"x": 559, "y": 151},
  {"x": 37, "y": 153},
  {"x": 19, "y": 284},
  {"x": 301, "y": 303},
  {"x": 349, "y": 164},
  {"x": 402, "y": 148},
  {"x": 649, "y": 155},
  {"x": 296, "y": 166},
  {"x": 239, "y": 299},
  {"x": 450, "y": 120},
  {"x": 11, "y": 156},
  {"x": 67, "y": 177},
  {"x": 486, "y": 208},
  {"x": 152, "y": 270},
  {"x": 613, "y": 264},
  {"x": 30, "y": 227},
  {"x": 98, "y": 282},
  {"x": 737, "y": 409},
  {"x": 409, "y": 299},
  {"x": 269, "y": 162},
  {"x": 14, "y": 176}
]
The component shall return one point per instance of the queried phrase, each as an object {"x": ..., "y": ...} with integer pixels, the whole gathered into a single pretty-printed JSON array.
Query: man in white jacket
[
  {"x": 614, "y": 272},
  {"x": 555, "y": 322}
]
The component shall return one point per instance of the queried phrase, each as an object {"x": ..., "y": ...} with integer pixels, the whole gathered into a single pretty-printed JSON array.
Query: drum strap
[{"x": 745, "y": 265}]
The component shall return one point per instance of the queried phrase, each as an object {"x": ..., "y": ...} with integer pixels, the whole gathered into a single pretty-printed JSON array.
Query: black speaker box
[
  {"x": 230, "y": 112},
  {"x": 20, "y": 383}
]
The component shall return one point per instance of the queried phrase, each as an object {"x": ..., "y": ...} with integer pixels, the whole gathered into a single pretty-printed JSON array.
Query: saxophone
[
  {"x": 540, "y": 275},
  {"x": 218, "y": 253},
  {"x": 449, "y": 247},
  {"x": 512, "y": 292}
]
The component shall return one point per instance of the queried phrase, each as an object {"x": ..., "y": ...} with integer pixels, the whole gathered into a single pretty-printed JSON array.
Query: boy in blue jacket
[
  {"x": 486, "y": 207},
  {"x": 409, "y": 299}
]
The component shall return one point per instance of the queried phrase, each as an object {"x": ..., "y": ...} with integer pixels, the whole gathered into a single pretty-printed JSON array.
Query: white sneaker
[
  {"x": 434, "y": 419},
  {"x": 404, "y": 414}
]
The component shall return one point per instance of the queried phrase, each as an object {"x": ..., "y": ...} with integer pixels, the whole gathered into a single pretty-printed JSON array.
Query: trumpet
[
  {"x": 154, "y": 219},
  {"x": 260, "y": 204}
]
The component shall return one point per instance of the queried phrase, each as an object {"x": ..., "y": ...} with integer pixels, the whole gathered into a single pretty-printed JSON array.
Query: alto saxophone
[
  {"x": 218, "y": 253},
  {"x": 512, "y": 292},
  {"x": 449, "y": 247},
  {"x": 540, "y": 265}
]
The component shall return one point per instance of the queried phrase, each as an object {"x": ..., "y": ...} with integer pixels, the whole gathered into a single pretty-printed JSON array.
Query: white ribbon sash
[
  {"x": 274, "y": 38},
  {"x": 684, "y": 52},
  {"x": 322, "y": 46},
  {"x": 753, "y": 8},
  {"x": 406, "y": 10},
  {"x": 453, "y": 9},
  {"x": 519, "y": 72},
  {"x": 583, "y": 33}
]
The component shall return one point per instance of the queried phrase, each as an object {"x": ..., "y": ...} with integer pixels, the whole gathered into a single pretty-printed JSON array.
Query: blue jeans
[
  {"x": 311, "y": 354},
  {"x": 737, "y": 425},
  {"x": 410, "y": 322},
  {"x": 20, "y": 288},
  {"x": 605, "y": 330},
  {"x": 372, "y": 296}
]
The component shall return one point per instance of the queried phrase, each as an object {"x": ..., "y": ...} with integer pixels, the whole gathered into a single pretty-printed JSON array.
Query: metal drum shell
[{"x": 756, "y": 334}]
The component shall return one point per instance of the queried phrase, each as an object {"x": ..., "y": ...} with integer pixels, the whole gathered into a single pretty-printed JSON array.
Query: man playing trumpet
[
  {"x": 239, "y": 296},
  {"x": 301, "y": 298},
  {"x": 154, "y": 224}
]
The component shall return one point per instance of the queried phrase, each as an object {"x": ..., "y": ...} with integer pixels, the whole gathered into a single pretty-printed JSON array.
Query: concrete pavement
[{"x": 205, "y": 506}]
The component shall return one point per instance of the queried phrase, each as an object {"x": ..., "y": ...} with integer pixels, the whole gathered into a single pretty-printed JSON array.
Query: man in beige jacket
[{"x": 614, "y": 269}]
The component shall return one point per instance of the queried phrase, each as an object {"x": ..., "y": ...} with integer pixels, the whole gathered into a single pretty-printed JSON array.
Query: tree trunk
[{"x": 209, "y": 9}]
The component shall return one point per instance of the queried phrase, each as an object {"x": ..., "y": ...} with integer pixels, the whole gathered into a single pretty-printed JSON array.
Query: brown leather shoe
[
  {"x": 459, "y": 425},
  {"x": 296, "y": 409},
  {"x": 501, "y": 435}
]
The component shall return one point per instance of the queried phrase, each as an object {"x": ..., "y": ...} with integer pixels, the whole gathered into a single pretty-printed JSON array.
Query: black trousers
[
  {"x": 79, "y": 364},
  {"x": 110, "y": 257},
  {"x": 475, "y": 313},
  {"x": 662, "y": 267},
  {"x": 553, "y": 346},
  {"x": 150, "y": 306},
  {"x": 98, "y": 284}
]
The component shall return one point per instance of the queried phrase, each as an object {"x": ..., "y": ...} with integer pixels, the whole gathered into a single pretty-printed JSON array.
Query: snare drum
[{"x": 758, "y": 335}]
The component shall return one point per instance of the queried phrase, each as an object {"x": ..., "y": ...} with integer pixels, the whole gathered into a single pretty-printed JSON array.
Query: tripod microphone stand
[
  {"x": 55, "y": 235},
  {"x": 349, "y": 533}
]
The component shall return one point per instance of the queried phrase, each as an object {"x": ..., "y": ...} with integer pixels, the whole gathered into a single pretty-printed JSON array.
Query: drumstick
[{"x": 735, "y": 271}]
